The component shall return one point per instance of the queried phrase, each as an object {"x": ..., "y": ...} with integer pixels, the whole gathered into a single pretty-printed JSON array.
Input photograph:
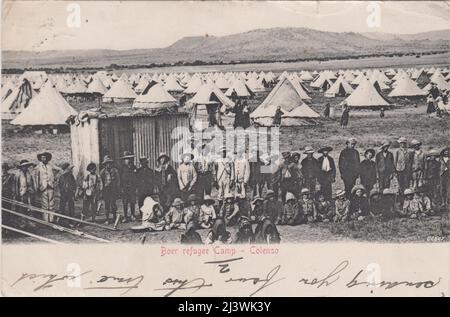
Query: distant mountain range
[{"x": 273, "y": 44}]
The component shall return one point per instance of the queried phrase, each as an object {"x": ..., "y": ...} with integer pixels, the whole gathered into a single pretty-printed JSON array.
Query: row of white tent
[{"x": 363, "y": 88}]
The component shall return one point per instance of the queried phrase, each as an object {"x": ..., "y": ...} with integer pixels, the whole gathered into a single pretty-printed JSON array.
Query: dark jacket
[
  {"x": 368, "y": 172},
  {"x": 67, "y": 184},
  {"x": 145, "y": 179},
  {"x": 310, "y": 168},
  {"x": 385, "y": 165},
  {"x": 128, "y": 176},
  {"x": 349, "y": 163}
]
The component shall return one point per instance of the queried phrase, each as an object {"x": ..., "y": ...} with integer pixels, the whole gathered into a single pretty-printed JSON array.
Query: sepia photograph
[{"x": 229, "y": 123}]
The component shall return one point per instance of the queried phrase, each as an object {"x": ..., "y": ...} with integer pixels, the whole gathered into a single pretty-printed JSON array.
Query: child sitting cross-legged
[
  {"x": 341, "y": 207},
  {"x": 207, "y": 213},
  {"x": 324, "y": 210},
  {"x": 175, "y": 216},
  {"x": 292, "y": 211}
]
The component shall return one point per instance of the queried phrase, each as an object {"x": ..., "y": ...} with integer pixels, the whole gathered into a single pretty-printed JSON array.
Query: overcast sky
[{"x": 41, "y": 25}]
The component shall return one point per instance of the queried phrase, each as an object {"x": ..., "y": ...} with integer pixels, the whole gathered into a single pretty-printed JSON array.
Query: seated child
[
  {"x": 324, "y": 212},
  {"x": 272, "y": 207},
  {"x": 359, "y": 204},
  {"x": 412, "y": 206},
  {"x": 207, "y": 213},
  {"x": 266, "y": 232},
  {"x": 190, "y": 236},
  {"x": 175, "y": 216},
  {"x": 292, "y": 212},
  {"x": 230, "y": 210},
  {"x": 307, "y": 205},
  {"x": 341, "y": 207},
  {"x": 375, "y": 203},
  {"x": 245, "y": 231},
  {"x": 192, "y": 209},
  {"x": 427, "y": 207},
  {"x": 257, "y": 213},
  {"x": 218, "y": 233}
]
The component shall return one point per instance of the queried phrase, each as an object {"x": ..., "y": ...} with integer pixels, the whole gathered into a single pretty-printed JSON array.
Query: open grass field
[{"x": 407, "y": 119}]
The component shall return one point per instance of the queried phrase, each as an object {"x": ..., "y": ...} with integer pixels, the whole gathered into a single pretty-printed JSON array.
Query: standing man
[
  {"x": 385, "y": 166},
  {"x": 310, "y": 170},
  {"x": 256, "y": 175},
  {"x": 7, "y": 185},
  {"x": 445, "y": 176},
  {"x": 417, "y": 164},
  {"x": 277, "y": 117},
  {"x": 111, "y": 188},
  {"x": 128, "y": 186},
  {"x": 91, "y": 188},
  {"x": 242, "y": 175},
  {"x": 67, "y": 188},
  {"x": 349, "y": 165},
  {"x": 224, "y": 176},
  {"x": 187, "y": 175},
  {"x": 145, "y": 181},
  {"x": 402, "y": 165},
  {"x": 205, "y": 173},
  {"x": 45, "y": 183},
  {"x": 167, "y": 181},
  {"x": 24, "y": 185},
  {"x": 327, "y": 172},
  {"x": 368, "y": 170},
  {"x": 345, "y": 116},
  {"x": 286, "y": 179}
]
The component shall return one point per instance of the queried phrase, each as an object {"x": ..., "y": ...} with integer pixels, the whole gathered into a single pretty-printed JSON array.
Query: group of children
[{"x": 267, "y": 212}]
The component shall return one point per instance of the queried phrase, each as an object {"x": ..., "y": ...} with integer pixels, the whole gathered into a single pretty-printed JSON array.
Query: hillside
[{"x": 274, "y": 44}]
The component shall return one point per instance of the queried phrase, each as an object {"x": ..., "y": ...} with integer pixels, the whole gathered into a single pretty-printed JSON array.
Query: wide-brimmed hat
[
  {"x": 285, "y": 154},
  {"x": 91, "y": 166},
  {"x": 408, "y": 191},
  {"x": 339, "y": 193},
  {"x": 308, "y": 150},
  {"x": 24, "y": 163},
  {"x": 305, "y": 191},
  {"x": 47, "y": 154},
  {"x": 433, "y": 152},
  {"x": 229, "y": 196},
  {"x": 325, "y": 149},
  {"x": 415, "y": 142},
  {"x": 163, "y": 155},
  {"x": 386, "y": 143},
  {"x": 65, "y": 166},
  {"x": 358, "y": 187},
  {"x": 192, "y": 197},
  {"x": 372, "y": 151},
  {"x": 290, "y": 196},
  {"x": 374, "y": 192},
  {"x": 127, "y": 155},
  {"x": 256, "y": 199},
  {"x": 388, "y": 191},
  {"x": 177, "y": 202},
  {"x": 107, "y": 159},
  {"x": 270, "y": 193},
  {"x": 208, "y": 200},
  {"x": 187, "y": 154},
  {"x": 402, "y": 139}
]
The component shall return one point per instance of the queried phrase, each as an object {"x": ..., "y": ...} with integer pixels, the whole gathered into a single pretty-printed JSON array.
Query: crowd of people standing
[{"x": 293, "y": 189}]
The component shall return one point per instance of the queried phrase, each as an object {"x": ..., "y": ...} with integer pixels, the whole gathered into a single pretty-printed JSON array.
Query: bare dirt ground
[{"x": 407, "y": 119}]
